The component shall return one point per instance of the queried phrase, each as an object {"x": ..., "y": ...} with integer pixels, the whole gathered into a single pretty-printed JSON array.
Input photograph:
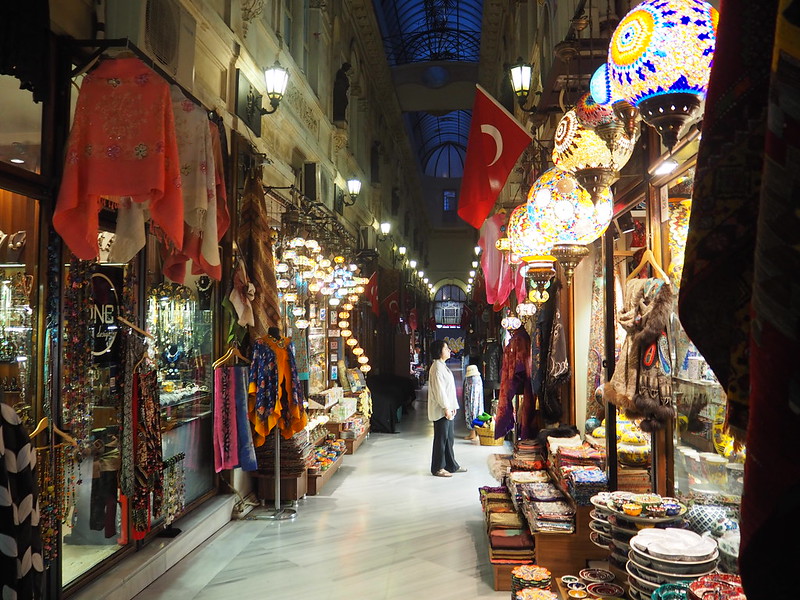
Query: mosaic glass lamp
[
  {"x": 564, "y": 215},
  {"x": 595, "y": 162},
  {"x": 659, "y": 60},
  {"x": 626, "y": 114},
  {"x": 525, "y": 241}
]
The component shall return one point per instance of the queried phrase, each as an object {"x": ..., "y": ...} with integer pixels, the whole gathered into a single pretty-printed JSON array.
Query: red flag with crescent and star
[
  {"x": 412, "y": 318},
  {"x": 496, "y": 140},
  {"x": 371, "y": 293},
  {"x": 392, "y": 304}
]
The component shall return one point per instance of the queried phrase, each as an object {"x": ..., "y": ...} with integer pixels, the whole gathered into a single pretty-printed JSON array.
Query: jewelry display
[
  {"x": 205, "y": 287},
  {"x": 16, "y": 246},
  {"x": 77, "y": 366},
  {"x": 174, "y": 488}
]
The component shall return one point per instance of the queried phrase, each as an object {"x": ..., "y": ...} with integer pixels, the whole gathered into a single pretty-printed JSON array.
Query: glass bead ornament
[
  {"x": 346, "y": 333},
  {"x": 659, "y": 60},
  {"x": 352, "y": 342},
  {"x": 593, "y": 161},
  {"x": 363, "y": 359},
  {"x": 358, "y": 351},
  {"x": 365, "y": 368}
]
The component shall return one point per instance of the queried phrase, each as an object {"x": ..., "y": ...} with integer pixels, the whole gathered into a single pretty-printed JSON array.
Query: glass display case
[{"x": 181, "y": 321}]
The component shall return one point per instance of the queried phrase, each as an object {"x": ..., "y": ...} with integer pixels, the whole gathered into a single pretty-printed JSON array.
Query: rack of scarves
[{"x": 233, "y": 439}]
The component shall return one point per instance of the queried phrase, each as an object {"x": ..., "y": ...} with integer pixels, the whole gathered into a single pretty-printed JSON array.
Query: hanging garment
[
  {"x": 242, "y": 294},
  {"x": 226, "y": 440},
  {"x": 148, "y": 467},
  {"x": 276, "y": 397},
  {"x": 492, "y": 259},
  {"x": 491, "y": 357},
  {"x": 244, "y": 434},
  {"x": 199, "y": 186},
  {"x": 546, "y": 372},
  {"x": 645, "y": 315},
  {"x": 515, "y": 379},
  {"x": 771, "y": 469},
  {"x": 122, "y": 143},
  {"x": 255, "y": 244},
  {"x": 21, "y": 565},
  {"x": 105, "y": 474},
  {"x": 472, "y": 395}
]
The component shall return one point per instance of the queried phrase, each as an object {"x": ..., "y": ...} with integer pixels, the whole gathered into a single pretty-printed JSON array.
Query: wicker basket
[{"x": 486, "y": 437}]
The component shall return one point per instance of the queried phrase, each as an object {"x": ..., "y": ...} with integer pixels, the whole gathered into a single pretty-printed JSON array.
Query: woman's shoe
[
  {"x": 471, "y": 436},
  {"x": 442, "y": 473}
]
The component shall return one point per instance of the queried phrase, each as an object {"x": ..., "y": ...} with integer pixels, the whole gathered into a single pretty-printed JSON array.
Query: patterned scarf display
[
  {"x": 226, "y": 440},
  {"x": 255, "y": 244},
  {"x": 148, "y": 467}
]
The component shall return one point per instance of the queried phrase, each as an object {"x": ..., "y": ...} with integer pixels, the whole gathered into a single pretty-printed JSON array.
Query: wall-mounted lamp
[
  {"x": 474, "y": 264},
  {"x": 477, "y": 250},
  {"x": 472, "y": 273},
  {"x": 401, "y": 250},
  {"x": 521, "y": 73},
  {"x": 412, "y": 263},
  {"x": 276, "y": 78},
  {"x": 421, "y": 274},
  {"x": 386, "y": 227},
  {"x": 354, "y": 189}
]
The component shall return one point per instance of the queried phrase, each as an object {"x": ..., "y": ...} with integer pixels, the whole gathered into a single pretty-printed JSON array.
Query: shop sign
[{"x": 105, "y": 310}]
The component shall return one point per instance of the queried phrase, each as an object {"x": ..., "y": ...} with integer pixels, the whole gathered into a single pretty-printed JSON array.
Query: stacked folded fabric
[
  {"x": 543, "y": 492},
  {"x": 510, "y": 541},
  {"x": 556, "y": 516},
  {"x": 529, "y": 450},
  {"x": 499, "y": 466},
  {"x": 296, "y": 453},
  {"x": 582, "y": 484},
  {"x": 583, "y": 455}
]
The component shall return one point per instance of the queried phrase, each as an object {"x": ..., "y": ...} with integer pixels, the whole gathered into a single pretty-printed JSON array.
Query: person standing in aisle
[{"x": 442, "y": 408}]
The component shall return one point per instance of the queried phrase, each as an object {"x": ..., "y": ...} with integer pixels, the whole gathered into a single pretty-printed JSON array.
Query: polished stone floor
[{"x": 382, "y": 528}]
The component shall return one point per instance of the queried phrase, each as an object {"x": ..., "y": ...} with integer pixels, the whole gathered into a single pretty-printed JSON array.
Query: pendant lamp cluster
[
  {"x": 658, "y": 67},
  {"x": 307, "y": 272}
]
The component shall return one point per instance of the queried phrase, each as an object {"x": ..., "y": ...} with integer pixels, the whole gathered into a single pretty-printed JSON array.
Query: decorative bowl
[
  {"x": 576, "y": 585},
  {"x": 596, "y": 575},
  {"x": 633, "y": 456},
  {"x": 657, "y": 510},
  {"x": 577, "y": 594},
  {"x": 671, "y": 508},
  {"x": 672, "y": 591},
  {"x": 673, "y": 567},
  {"x": 701, "y": 518},
  {"x": 604, "y": 590},
  {"x": 567, "y": 579},
  {"x": 632, "y": 508}
]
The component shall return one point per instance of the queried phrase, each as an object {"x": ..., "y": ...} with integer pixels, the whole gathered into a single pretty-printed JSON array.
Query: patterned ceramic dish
[
  {"x": 596, "y": 575},
  {"x": 641, "y": 583},
  {"x": 600, "y": 527},
  {"x": 598, "y": 539},
  {"x": 674, "y": 545},
  {"x": 567, "y": 579},
  {"x": 599, "y": 515},
  {"x": 671, "y": 591},
  {"x": 602, "y": 590}
]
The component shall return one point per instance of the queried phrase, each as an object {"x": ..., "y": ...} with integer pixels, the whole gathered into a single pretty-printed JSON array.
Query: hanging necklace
[{"x": 204, "y": 283}]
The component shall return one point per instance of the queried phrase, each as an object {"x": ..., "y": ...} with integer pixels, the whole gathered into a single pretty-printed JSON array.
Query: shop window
[
  {"x": 20, "y": 127},
  {"x": 91, "y": 410},
  {"x": 448, "y": 304},
  {"x": 181, "y": 321}
]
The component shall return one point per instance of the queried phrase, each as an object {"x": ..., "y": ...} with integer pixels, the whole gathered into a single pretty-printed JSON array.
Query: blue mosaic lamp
[{"x": 659, "y": 60}]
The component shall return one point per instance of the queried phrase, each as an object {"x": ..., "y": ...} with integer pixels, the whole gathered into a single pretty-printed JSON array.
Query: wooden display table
[
  {"x": 317, "y": 482},
  {"x": 502, "y": 576},
  {"x": 292, "y": 488},
  {"x": 568, "y": 553},
  {"x": 353, "y": 444}
]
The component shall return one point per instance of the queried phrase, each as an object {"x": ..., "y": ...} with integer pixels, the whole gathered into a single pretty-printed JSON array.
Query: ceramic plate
[
  {"x": 600, "y": 527},
  {"x": 605, "y": 589},
  {"x": 654, "y": 574},
  {"x": 674, "y": 544},
  {"x": 642, "y": 584},
  {"x": 599, "y": 515},
  {"x": 599, "y": 540},
  {"x": 679, "y": 567},
  {"x": 596, "y": 575}
]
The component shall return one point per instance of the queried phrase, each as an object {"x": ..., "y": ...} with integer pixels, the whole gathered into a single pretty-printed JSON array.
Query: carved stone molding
[
  {"x": 295, "y": 100},
  {"x": 339, "y": 139}
]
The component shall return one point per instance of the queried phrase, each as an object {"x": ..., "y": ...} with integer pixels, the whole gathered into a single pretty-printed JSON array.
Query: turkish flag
[
  {"x": 496, "y": 140},
  {"x": 392, "y": 304},
  {"x": 412, "y": 318},
  {"x": 371, "y": 293}
]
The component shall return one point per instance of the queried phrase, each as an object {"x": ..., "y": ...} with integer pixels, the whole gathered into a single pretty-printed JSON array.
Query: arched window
[{"x": 448, "y": 304}]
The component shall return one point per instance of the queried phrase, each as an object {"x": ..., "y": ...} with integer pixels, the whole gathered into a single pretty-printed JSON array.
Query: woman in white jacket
[{"x": 442, "y": 408}]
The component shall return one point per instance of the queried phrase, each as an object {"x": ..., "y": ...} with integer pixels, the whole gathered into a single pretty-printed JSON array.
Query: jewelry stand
[{"x": 279, "y": 513}]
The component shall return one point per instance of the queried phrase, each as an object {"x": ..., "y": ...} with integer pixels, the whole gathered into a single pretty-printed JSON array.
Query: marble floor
[{"x": 382, "y": 528}]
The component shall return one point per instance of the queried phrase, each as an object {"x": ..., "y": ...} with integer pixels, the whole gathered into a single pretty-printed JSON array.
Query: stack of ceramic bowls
[
  {"x": 720, "y": 586},
  {"x": 529, "y": 576},
  {"x": 601, "y": 528},
  {"x": 671, "y": 591},
  {"x": 660, "y": 556}
]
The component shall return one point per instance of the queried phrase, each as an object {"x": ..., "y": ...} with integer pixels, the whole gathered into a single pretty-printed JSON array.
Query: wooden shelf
[
  {"x": 354, "y": 444},
  {"x": 292, "y": 488},
  {"x": 317, "y": 482},
  {"x": 568, "y": 553}
]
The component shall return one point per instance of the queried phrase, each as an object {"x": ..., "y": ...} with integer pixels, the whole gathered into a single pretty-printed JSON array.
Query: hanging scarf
[
  {"x": 148, "y": 466},
  {"x": 514, "y": 379},
  {"x": 244, "y": 435},
  {"x": 226, "y": 442},
  {"x": 122, "y": 143},
  {"x": 255, "y": 244}
]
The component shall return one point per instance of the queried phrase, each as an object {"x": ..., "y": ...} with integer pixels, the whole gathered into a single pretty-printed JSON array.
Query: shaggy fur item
[{"x": 645, "y": 315}]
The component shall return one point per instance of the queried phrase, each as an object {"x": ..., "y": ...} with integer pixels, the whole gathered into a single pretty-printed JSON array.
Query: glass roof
[
  {"x": 426, "y": 30},
  {"x": 417, "y": 31},
  {"x": 441, "y": 142}
]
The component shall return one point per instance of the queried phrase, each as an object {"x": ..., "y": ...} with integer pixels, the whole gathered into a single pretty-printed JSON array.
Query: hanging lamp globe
[
  {"x": 524, "y": 240},
  {"x": 594, "y": 162},
  {"x": 566, "y": 218},
  {"x": 659, "y": 60}
]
